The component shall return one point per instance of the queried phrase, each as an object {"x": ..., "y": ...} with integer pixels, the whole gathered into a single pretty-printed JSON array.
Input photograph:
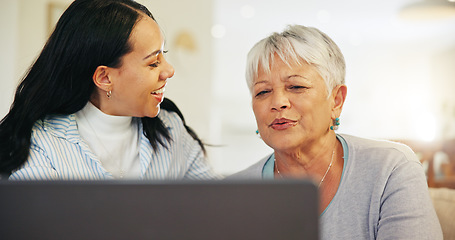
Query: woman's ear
[
  {"x": 101, "y": 78},
  {"x": 339, "y": 96}
]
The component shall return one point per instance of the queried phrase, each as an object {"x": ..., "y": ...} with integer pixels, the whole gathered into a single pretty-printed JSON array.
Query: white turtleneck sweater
[{"x": 113, "y": 139}]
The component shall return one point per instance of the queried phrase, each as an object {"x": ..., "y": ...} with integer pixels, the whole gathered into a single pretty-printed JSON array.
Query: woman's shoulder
[
  {"x": 170, "y": 119},
  {"x": 379, "y": 147},
  {"x": 56, "y": 125},
  {"x": 252, "y": 172}
]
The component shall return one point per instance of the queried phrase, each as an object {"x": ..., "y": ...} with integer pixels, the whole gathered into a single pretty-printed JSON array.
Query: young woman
[{"x": 92, "y": 105}]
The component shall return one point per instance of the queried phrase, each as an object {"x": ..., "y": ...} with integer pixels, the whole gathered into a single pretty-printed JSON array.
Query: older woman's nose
[{"x": 280, "y": 101}]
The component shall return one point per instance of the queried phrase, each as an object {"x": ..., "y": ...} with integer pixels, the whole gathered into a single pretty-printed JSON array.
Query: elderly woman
[{"x": 368, "y": 189}]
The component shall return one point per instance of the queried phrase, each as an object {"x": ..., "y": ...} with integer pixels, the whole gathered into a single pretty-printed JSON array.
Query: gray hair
[{"x": 294, "y": 44}]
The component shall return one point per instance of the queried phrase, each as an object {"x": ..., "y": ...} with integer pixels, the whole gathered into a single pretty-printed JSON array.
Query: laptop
[{"x": 188, "y": 210}]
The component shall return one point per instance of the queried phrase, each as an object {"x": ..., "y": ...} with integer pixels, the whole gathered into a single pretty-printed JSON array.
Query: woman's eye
[
  {"x": 297, "y": 87},
  {"x": 261, "y": 93},
  {"x": 154, "y": 65}
]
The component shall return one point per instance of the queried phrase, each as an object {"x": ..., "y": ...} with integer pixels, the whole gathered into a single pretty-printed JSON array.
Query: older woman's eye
[
  {"x": 261, "y": 93},
  {"x": 297, "y": 87}
]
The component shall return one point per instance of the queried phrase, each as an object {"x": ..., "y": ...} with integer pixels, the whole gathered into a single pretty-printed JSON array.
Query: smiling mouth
[
  {"x": 282, "y": 124},
  {"x": 159, "y": 94},
  {"x": 160, "y": 90}
]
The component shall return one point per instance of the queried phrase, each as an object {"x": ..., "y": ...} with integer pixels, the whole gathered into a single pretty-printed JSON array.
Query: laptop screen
[{"x": 159, "y": 210}]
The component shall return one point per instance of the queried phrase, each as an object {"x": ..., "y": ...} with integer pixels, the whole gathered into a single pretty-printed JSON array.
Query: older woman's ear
[{"x": 339, "y": 95}]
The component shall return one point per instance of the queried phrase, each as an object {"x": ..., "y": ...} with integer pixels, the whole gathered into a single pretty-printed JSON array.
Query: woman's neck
[
  {"x": 312, "y": 158},
  {"x": 103, "y": 123}
]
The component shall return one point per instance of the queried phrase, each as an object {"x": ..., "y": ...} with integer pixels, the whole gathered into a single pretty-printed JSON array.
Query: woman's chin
[
  {"x": 281, "y": 145},
  {"x": 155, "y": 112}
]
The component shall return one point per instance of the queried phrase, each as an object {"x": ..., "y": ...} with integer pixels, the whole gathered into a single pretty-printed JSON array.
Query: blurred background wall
[{"x": 400, "y": 57}]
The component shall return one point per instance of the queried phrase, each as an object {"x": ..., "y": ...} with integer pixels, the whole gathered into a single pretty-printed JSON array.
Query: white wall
[
  {"x": 24, "y": 26},
  {"x": 190, "y": 88},
  {"x": 8, "y": 39}
]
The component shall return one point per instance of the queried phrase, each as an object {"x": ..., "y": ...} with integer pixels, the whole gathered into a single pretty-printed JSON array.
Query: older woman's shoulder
[
  {"x": 374, "y": 143},
  {"x": 378, "y": 145},
  {"x": 252, "y": 172}
]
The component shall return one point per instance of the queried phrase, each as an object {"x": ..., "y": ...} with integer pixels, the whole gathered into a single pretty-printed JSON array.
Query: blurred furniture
[
  {"x": 448, "y": 147},
  {"x": 444, "y": 204},
  {"x": 440, "y": 177},
  {"x": 439, "y": 174}
]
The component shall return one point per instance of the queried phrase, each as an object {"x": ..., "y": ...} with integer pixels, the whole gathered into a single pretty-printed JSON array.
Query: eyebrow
[
  {"x": 259, "y": 82},
  {"x": 297, "y": 75},
  {"x": 155, "y": 53},
  {"x": 286, "y": 79}
]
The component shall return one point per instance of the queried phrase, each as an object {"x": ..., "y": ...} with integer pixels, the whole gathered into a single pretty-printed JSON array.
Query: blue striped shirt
[{"x": 57, "y": 151}]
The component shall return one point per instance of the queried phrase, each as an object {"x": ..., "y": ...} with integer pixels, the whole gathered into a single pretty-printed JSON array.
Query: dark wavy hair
[{"x": 90, "y": 33}]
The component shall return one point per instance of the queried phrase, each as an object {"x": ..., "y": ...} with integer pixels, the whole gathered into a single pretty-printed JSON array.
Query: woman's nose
[
  {"x": 279, "y": 101},
  {"x": 168, "y": 70}
]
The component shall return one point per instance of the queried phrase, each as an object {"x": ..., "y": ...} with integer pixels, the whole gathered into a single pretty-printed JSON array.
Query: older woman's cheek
[{"x": 259, "y": 115}]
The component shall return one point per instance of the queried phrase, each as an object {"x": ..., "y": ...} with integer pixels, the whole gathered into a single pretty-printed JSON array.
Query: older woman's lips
[{"x": 282, "y": 124}]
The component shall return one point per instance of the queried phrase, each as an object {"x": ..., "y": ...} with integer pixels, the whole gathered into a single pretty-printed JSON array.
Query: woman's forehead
[
  {"x": 146, "y": 35},
  {"x": 277, "y": 64}
]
